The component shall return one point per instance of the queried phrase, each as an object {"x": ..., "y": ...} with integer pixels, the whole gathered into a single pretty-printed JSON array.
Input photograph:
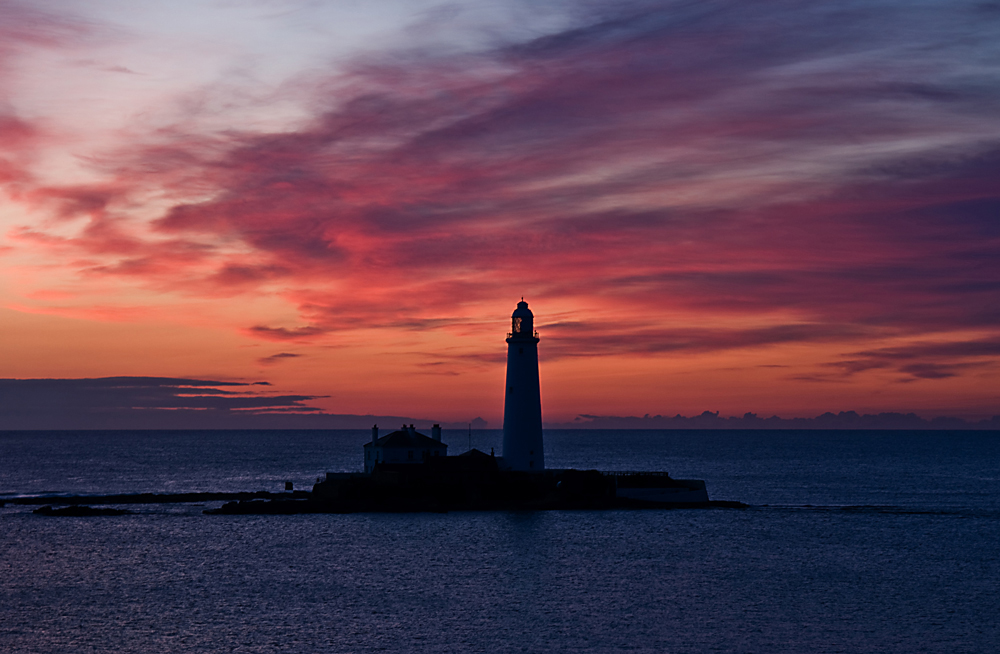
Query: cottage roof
[{"x": 476, "y": 454}]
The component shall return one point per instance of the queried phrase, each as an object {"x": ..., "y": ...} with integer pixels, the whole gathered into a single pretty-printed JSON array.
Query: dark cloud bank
[{"x": 167, "y": 403}]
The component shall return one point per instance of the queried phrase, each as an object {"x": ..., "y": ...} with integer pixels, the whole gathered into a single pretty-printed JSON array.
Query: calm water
[{"x": 856, "y": 542}]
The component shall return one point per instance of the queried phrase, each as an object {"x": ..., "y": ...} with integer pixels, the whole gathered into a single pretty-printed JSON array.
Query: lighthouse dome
[{"x": 522, "y": 321}]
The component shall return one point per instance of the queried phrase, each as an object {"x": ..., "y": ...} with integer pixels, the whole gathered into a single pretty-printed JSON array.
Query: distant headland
[
  {"x": 176, "y": 403},
  {"x": 828, "y": 420}
]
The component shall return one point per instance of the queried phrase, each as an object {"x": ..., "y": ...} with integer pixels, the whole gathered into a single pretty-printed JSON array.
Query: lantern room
[{"x": 522, "y": 323}]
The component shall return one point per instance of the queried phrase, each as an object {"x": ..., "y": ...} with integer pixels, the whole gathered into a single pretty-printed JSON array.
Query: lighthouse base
[{"x": 477, "y": 484}]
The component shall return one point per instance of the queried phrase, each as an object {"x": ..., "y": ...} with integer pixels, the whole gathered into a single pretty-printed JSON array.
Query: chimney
[
  {"x": 374, "y": 433},
  {"x": 436, "y": 433},
  {"x": 413, "y": 432}
]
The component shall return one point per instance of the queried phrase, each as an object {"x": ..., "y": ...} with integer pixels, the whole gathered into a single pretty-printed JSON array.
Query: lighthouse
[{"x": 522, "y": 408}]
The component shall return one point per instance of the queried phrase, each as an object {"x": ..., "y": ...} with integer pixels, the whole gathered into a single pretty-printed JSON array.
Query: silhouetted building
[
  {"x": 403, "y": 446},
  {"x": 522, "y": 409}
]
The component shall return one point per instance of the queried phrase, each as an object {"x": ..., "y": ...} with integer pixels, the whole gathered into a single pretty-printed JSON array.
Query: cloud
[
  {"x": 111, "y": 402},
  {"x": 828, "y": 420},
  {"x": 285, "y": 334},
  {"x": 277, "y": 358},
  {"x": 164, "y": 403},
  {"x": 925, "y": 360},
  {"x": 701, "y": 177},
  {"x": 16, "y": 132},
  {"x": 23, "y": 25},
  {"x": 120, "y": 69},
  {"x": 589, "y": 339},
  {"x": 143, "y": 393}
]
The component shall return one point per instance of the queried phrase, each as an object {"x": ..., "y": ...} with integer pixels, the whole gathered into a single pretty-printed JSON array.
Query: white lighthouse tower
[{"x": 522, "y": 408}]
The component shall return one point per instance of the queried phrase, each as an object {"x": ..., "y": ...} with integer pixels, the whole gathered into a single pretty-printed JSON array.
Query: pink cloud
[
  {"x": 284, "y": 334},
  {"x": 648, "y": 164},
  {"x": 277, "y": 358}
]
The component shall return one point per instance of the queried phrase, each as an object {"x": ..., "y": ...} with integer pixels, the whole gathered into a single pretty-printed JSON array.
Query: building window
[
  {"x": 531, "y": 464},
  {"x": 520, "y": 350},
  {"x": 409, "y": 455}
]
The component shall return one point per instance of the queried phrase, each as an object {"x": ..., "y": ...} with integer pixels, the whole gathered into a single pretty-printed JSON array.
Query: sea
[{"x": 853, "y": 541}]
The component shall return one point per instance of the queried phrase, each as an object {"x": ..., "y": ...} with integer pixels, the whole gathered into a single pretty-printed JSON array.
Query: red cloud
[
  {"x": 284, "y": 334},
  {"x": 652, "y": 167}
]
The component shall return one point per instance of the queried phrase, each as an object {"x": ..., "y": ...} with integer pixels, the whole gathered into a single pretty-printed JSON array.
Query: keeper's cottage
[{"x": 403, "y": 446}]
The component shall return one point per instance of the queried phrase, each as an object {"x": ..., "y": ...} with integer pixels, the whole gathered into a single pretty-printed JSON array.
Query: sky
[{"x": 778, "y": 207}]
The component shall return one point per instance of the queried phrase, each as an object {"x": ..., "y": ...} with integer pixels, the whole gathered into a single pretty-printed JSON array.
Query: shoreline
[
  {"x": 154, "y": 498},
  {"x": 305, "y": 502}
]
